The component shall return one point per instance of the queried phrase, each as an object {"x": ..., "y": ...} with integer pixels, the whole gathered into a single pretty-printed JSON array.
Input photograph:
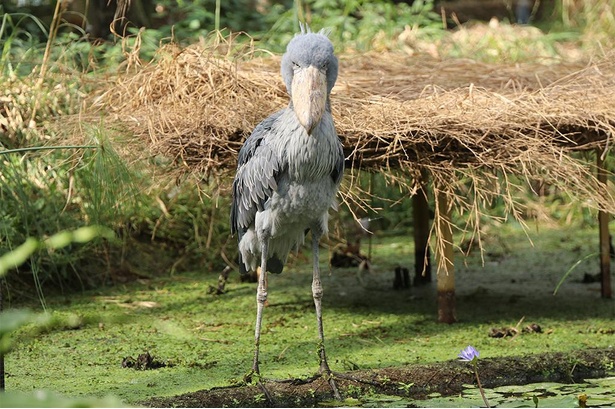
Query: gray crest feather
[
  {"x": 326, "y": 31},
  {"x": 305, "y": 29}
]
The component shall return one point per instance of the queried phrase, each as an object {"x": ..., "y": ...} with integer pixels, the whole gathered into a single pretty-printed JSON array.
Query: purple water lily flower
[{"x": 469, "y": 354}]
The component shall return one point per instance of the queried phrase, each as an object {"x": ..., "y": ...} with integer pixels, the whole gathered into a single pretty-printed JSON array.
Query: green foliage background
[{"x": 49, "y": 183}]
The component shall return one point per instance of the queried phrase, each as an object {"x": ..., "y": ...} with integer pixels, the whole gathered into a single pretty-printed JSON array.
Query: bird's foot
[
  {"x": 331, "y": 381},
  {"x": 254, "y": 377},
  {"x": 328, "y": 376},
  {"x": 265, "y": 391},
  {"x": 250, "y": 377}
]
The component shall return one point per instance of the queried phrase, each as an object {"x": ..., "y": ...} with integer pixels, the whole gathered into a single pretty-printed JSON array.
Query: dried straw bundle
[
  {"x": 192, "y": 106},
  {"x": 462, "y": 121}
]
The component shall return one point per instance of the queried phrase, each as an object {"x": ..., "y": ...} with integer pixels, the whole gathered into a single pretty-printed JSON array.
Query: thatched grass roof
[{"x": 463, "y": 122}]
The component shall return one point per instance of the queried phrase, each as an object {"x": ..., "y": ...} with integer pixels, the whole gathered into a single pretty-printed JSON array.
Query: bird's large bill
[{"x": 309, "y": 94}]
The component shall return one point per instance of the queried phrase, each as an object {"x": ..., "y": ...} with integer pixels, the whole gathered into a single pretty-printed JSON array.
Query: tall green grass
[
  {"x": 19, "y": 42},
  {"x": 56, "y": 173},
  {"x": 595, "y": 18},
  {"x": 43, "y": 192}
]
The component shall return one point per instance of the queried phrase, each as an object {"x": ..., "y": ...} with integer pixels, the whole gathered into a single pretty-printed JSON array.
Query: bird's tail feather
[{"x": 274, "y": 265}]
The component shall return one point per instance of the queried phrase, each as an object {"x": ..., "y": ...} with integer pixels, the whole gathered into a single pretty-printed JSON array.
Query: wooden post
[
  {"x": 445, "y": 265},
  {"x": 603, "y": 223},
  {"x": 420, "y": 216}
]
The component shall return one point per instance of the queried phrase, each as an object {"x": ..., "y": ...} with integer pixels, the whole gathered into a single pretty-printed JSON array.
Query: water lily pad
[
  {"x": 386, "y": 401},
  {"x": 598, "y": 393}
]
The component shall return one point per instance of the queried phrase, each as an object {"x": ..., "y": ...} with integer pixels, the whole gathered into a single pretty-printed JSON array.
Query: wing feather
[
  {"x": 258, "y": 168},
  {"x": 338, "y": 171}
]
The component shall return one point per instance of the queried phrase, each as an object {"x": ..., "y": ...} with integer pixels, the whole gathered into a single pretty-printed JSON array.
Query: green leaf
[
  {"x": 12, "y": 319},
  {"x": 18, "y": 256}
]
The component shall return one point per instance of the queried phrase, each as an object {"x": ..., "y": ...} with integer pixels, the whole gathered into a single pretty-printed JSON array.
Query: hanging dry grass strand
[{"x": 476, "y": 128}]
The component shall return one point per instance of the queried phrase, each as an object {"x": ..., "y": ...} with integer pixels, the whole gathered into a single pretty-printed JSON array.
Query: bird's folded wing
[{"x": 257, "y": 172}]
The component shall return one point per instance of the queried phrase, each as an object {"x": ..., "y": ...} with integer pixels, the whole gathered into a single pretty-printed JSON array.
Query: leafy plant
[
  {"x": 20, "y": 35},
  {"x": 12, "y": 319},
  {"x": 44, "y": 193},
  {"x": 406, "y": 387},
  {"x": 356, "y": 24},
  {"x": 594, "y": 19},
  {"x": 20, "y": 254}
]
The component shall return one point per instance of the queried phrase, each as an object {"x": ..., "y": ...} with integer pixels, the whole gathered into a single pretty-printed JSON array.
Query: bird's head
[{"x": 309, "y": 70}]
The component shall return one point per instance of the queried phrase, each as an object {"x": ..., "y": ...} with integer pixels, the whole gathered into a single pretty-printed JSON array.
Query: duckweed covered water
[
  {"x": 595, "y": 393},
  {"x": 205, "y": 340}
]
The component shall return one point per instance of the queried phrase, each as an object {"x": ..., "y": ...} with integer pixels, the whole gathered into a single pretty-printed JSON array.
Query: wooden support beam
[
  {"x": 603, "y": 223},
  {"x": 420, "y": 216},
  {"x": 445, "y": 265}
]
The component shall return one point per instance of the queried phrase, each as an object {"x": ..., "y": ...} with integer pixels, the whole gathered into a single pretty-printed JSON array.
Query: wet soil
[{"x": 414, "y": 381}]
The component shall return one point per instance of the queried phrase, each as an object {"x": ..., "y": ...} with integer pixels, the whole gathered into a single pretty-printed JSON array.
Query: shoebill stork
[{"x": 288, "y": 174}]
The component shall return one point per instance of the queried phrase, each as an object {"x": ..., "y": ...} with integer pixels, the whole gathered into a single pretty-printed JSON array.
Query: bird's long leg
[
  {"x": 317, "y": 295},
  {"x": 261, "y": 297}
]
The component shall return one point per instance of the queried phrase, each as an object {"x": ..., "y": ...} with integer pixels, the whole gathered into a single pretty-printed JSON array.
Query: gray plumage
[
  {"x": 286, "y": 178},
  {"x": 288, "y": 174}
]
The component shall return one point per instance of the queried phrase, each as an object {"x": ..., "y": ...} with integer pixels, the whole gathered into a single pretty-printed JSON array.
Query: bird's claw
[
  {"x": 331, "y": 381},
  {"x": 250, "y": 377},
  {"x": 254, "y": 377},
  {"x": 328, "y": 376},
  {"x": 265, "y": 391}
]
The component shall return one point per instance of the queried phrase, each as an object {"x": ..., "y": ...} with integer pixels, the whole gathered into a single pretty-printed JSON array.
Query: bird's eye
[
  {"x": 295, "y": 66},
  {"x": 324, "y": 65}
]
